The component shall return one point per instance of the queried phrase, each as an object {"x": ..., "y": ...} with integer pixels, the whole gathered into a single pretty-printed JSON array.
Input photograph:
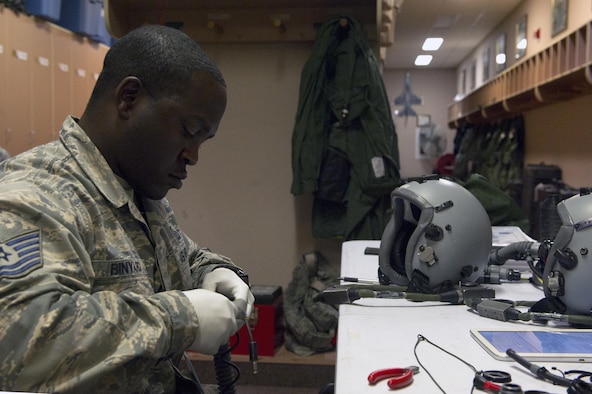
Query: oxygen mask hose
[
  {"x": 228, "y": 373},
  {"x": 225, "y": 371}
]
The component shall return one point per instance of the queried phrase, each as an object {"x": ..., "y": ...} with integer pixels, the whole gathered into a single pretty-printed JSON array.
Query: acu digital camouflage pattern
[
  {"x": 82, "y": 308},
  {"x": 310, "y": 325}
]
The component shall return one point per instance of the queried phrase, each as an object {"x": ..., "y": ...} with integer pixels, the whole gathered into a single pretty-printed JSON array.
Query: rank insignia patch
[{"x": 20, "y": 255}]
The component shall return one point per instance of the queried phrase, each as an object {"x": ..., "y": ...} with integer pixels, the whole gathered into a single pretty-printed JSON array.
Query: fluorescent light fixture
[
  {"x": 521, "y": 44},
  {"x": 432, "y": 44},
  {"x": 423, "y": 60},
  {"x": 500, "y": 58}
]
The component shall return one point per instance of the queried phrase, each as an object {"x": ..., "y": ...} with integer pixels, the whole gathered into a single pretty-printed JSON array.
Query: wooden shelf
[
  {"x": 558, "y": 73},
  {"x": 285, "y": 369},
  {"x": 232, "y": 21}
]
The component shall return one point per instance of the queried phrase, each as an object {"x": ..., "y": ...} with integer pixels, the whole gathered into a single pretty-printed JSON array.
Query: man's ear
[{"x": 128, "y": 92}]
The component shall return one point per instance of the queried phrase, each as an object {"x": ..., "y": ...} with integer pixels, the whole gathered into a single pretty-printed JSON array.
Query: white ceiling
[{"x": 462, "y": 23}]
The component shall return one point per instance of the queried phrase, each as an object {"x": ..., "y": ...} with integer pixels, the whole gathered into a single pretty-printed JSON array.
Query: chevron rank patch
[{"x": 20, "y": 255}]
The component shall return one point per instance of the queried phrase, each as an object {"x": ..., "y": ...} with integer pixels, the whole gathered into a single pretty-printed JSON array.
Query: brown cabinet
[
  {"x": 41, "y": 96},
  {"x": 20, "y": 41},
  {"x": 46, "y": 73},
  {"x": 3, "y": 78},
  {"x": 61, "y": 49}
]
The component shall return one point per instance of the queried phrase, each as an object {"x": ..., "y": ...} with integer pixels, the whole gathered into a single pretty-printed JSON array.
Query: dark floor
[
  {"x": 274, "y": 378},
  {"x": 264, "y": 390},
  {"x": 274, "y": 390}
]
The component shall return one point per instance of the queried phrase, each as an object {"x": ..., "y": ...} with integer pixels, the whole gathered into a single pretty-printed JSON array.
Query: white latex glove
[
  {"x": 227, "y": 282},
  {"x": 216, "y": 316}
]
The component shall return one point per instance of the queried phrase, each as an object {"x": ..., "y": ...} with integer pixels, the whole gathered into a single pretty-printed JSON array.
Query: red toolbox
[{"x": 266, "y": 323}]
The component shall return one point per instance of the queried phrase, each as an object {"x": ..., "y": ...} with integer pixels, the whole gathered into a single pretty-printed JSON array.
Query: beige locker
[
  {"x": 82, "y": 81},
  {"x": 46, "y": 74},
  {"x": 61, "y": 75},
  {"x": 20, "y": 43},
  {"x": 42, "y": 123},
  {"x": 3, "y": 87}
]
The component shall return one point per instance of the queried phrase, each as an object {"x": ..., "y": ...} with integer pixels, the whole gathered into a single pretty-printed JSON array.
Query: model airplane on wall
[{"x": 407, "y": 99}]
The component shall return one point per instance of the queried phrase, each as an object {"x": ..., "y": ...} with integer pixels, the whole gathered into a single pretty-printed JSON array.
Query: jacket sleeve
[
  {"x": 198, "y": 260},
  {"x": 57, "y": 334},
  {"x": 206, "y": 261}
]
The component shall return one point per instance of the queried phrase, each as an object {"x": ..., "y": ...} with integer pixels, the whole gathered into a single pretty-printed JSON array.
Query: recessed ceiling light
[
  {"x": 432, "y": 44},
  {"x": 423, "y": 60}
]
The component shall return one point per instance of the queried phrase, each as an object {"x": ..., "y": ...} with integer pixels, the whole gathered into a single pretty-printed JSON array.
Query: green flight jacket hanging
[{"x": 344, "y": 143}]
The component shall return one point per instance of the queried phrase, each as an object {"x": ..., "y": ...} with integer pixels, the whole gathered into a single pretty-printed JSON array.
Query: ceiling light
[
  {"x": 432, "y": 44},
  {"x": 423, "y": 60}
]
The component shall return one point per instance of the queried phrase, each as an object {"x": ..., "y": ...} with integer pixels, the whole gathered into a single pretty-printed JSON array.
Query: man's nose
[{"x": 190, "y": 155}]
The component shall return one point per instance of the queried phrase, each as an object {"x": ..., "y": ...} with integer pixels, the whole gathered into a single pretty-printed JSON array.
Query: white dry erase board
[{"x": 537, "y": 344}]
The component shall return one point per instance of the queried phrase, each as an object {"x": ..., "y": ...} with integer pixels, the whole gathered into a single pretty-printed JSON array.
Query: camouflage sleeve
[
  {"x": 56, "y": 332},
  {"x": 205, "y": 261},
  {"x": 201, "y": 260}
]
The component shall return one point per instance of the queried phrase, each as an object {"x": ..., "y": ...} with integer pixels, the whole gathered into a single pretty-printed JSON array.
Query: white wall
[
  {"x": 436, "y": 88},
  {"x": 237, "y": 199}
]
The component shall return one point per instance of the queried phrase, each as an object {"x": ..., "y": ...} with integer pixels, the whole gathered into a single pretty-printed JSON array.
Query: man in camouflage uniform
[{"x": 100, "y": 290}]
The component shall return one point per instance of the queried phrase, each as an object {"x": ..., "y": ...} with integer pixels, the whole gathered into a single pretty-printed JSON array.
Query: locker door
[
  {"x": 82, "y": 80},
  {"x": 61, "y": 67},
  {"x": 20, "y": 33},
  {"x": 41, "y": 99},
  {"x": 3, "y": 87}
]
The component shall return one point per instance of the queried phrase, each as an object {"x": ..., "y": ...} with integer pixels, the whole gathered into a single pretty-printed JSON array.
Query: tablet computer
[{"x": 537, "y": 343}]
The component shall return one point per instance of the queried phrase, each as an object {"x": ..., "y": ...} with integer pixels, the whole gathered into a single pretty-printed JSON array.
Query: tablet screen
[{"x": 560, "y": 345}]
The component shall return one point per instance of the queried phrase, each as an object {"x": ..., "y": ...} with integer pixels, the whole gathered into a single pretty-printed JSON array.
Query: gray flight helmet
[
  {"x": 439, "y": 235},
  {"x": 568, "y": 270}
]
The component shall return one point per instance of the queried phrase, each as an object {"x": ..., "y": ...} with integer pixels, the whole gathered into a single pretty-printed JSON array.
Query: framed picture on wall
[
  {"x": 500, "y": 52},
  {"x": 423, "y": 120},
  {"x": 559, "y": 16},
  {"x": 485, "y": 60},
  {"x": 473, "y": 75},
  {"x": 521, "y": 41}
]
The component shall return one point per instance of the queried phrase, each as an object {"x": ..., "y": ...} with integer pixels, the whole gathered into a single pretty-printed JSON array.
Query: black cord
[
  {"x": 191, "y": 369},
  {"x": 578, "y": 385},
  {"x": 227, "y": 373},
  {"x": 421, "y": 338},
  {"x": 234, "y": 346},
  {"x": 537, "y": 370},
  {"x": 581, "y": 374},
  {"x": 537, "y": 274}
]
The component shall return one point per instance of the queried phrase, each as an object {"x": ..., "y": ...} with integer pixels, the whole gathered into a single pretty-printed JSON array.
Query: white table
[{"x": 382, "y": 333}]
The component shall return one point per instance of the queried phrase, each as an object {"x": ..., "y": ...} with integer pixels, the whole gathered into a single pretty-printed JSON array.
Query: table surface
[{"x": 379, "y": 333}]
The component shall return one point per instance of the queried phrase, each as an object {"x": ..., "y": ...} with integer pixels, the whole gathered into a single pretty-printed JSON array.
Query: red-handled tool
[{"x": 399, "y": 377}]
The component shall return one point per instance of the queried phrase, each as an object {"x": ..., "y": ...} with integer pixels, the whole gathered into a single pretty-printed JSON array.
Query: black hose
[
  {"x": 515, "y": 251},
  {"x": 226, "y": 374},
  {"x": 538, "y": 371}
]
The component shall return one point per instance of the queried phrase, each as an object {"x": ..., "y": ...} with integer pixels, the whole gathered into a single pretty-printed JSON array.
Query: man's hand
[
  {"x": 217, "y": 319},
  {"x": 225, "y": 281}
]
